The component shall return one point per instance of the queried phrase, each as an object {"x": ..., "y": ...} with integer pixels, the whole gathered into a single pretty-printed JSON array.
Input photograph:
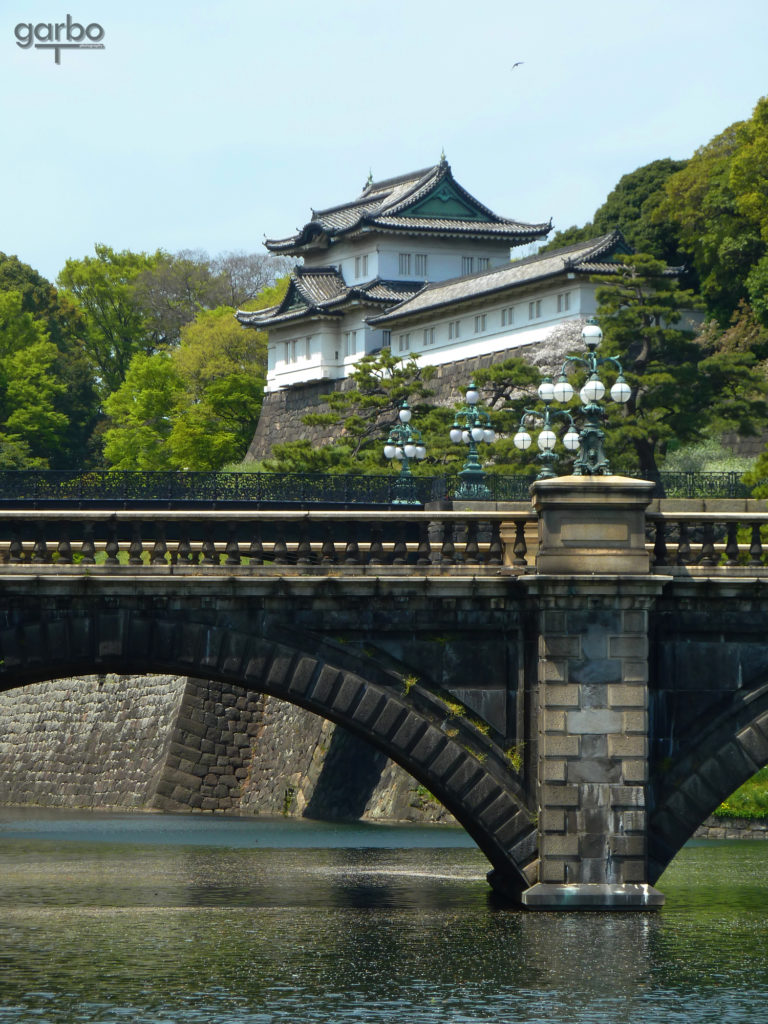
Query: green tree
[
  {"x": 30, "y": 424},
  {"x": 682, "y": 387},
  {"x": 141, "y": 414},
  {"x": 717, "y": 205},
  {"x": 222, "y": 368},
  {"x": 116, "y": 329},
  {"x": 59, "y": 318}
]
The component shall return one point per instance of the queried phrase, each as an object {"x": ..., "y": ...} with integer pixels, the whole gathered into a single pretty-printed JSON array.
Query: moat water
[{"x": 190, "y": 920}]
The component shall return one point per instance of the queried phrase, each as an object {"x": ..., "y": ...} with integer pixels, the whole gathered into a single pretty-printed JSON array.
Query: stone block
[
  {"x": 601, "y": 769},
  {"x": 280, "y": 671},
  {"x": 559, "y": 745},
  {"x": 635, "y": 722},
  {"x": 592, "y": 845},
  {"x": 553, "y": 771},
  {"x": 634, "y": 745},
  {"x": 599, "y": 670},
  {"x": 372, "y": 701},
  {"x": 552, "y": 871},
  {"x": 445, "y": 762},
  {"x": 407, "y": 733},
  {"x": 303, "y": 674},
  {"x": 348, "y": 692},
  {"x": 755, "y": 743},
  {"x": 634, "y": 771},
  {"x": 324, "y": 686},
  {"x": 560, "y": 696},
  {"x": 627, "y": 696},
  {"x": 558, "y": 846},
  {"x": 389, "y": 718},
  {"x": 635, "y": 621},
  {"x": 594, "y": 720},
  {"x": 552, "y": 820},
  {"x": 559, "y": 796},
  {"x": 633, "y": 671},
  {"x": 627, "y": 846},
  {"x": 561, "y": 646},
  {"x": 552, "y": 721},
  {"x": 632, "y": 871},
  {"x": 634, "y": 648},
  {"x": 428, "y": 745},
  {"x": 554, "y": 670},
  {"x": 462, "y": 775}
]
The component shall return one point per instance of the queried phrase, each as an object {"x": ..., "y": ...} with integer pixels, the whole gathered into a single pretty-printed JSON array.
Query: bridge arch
[
  {"x": 384, "y": 704},
  {"x": 716, "y": 759}
]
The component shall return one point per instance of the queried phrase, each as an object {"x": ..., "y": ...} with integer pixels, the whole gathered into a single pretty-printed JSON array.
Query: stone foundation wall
[
  {"x": 282, "y": 413},
  {"x": 175, "y": 744},
  {"x": 100, "y": 741},
  {"x": 732, "y": 828}
]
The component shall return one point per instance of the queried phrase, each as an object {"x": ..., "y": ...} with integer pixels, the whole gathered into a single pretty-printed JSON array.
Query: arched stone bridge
[{"x": 579, "y": 715}]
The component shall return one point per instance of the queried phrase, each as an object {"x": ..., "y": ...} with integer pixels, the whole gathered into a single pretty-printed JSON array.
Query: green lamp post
[
  {"x": 591, "y": 460},
  {"x": 403, "y": 444},
  {"x": 472, "y": 426}
]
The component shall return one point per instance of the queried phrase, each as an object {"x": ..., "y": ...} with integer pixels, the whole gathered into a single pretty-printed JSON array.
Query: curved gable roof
[{"x": 429, "y": 201}]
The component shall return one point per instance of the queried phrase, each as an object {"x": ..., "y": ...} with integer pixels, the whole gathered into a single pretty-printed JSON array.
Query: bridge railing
[
  {"x": 263, "y": 540},
  {"x": 731, "y": 540}
]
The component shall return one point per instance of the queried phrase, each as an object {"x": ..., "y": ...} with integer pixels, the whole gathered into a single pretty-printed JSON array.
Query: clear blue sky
[{"x": 211, "y": 125}]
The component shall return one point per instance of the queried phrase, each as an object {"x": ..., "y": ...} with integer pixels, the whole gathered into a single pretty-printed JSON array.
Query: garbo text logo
[{"x": 66, "y": 35}]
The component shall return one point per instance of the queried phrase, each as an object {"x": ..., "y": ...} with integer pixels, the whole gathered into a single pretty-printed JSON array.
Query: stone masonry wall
[
  {"x": 100, "y": 741},
  {"x": 283, "y": 411},
  {"x": 178, "y": 744}
]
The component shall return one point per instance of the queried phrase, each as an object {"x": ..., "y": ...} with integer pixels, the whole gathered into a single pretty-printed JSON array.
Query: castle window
[
  {"x": 386, "y": 339},
  {"x": 361, "y": 266},
  {"x": 404, "y": 342},
  {"x": 404, "y": 262},
  {"x": 534, "y": 309},
  {"x": 467, "y": 264},
  {"x": 420, "y": 260},
  {"x": 480, "y": 322},
  {"x": 563, "y": 302},
  {"x": 507, "y": 316},
  {"x": 482, "y": 262},
  {"x": 454, "y": 329},
  {"x": 308, "y": 346},
  {"x": 429, "y": 336}
]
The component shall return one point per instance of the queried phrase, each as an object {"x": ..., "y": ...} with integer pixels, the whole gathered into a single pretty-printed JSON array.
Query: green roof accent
[{"x": 446, "y": 203}]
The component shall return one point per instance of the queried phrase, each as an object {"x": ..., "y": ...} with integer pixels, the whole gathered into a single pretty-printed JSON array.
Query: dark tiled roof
[
  {"x": 321, "y": 291},
  {"x": 582, "y": 258},
  {"x": 384, "y": 205}
]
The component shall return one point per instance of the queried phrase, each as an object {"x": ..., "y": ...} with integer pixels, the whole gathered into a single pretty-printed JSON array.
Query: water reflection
[{"x": 108, "y": 931}]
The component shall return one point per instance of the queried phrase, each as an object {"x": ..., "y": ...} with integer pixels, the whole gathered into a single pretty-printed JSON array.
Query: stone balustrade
[{"x": 324, "y": 540}]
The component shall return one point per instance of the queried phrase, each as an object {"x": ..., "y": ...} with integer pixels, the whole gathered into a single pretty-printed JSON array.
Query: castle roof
[
  {"x": 596, "y": 256},
  {"x": 429, "y": 202},
  {"x": 321, "y": 291}
]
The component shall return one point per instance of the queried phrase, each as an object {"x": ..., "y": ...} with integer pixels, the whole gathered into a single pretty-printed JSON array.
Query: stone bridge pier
[{"x": 593, "y": 593}]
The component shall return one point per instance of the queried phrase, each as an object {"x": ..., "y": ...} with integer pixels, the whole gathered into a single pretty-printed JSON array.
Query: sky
[{"x": 214, "y": 125}]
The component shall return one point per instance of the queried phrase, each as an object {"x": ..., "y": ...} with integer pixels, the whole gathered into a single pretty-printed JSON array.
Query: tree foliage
[
  {"x": 193, "y": 407},
  {"x": 63, "y": 325},
  {"x": 31, "y": 426},
  {"x": 718, "y": 205},
  {"x": 683, "y": 387}
]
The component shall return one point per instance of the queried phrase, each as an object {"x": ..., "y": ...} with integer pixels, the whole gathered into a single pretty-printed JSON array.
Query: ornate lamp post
[
  {"x": 472, "y": 426},
  {"x": 591, "y": 460},
  {"x": 547, "y": 438},
  {"x": 403, "y": 444}
]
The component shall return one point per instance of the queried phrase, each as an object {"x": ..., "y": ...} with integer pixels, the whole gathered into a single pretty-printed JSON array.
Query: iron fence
[{"x": 113, "y": 487}]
